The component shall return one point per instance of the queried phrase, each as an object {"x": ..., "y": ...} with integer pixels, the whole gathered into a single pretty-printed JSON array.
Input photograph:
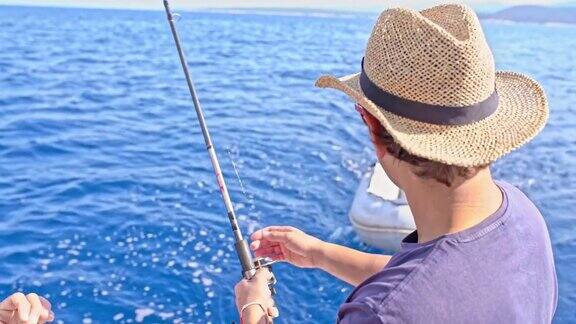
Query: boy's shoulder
[{"x": 467, "y": 275}]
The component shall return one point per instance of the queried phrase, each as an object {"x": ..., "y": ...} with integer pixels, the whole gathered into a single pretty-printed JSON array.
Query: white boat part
[{"x": 380, "y": 213}]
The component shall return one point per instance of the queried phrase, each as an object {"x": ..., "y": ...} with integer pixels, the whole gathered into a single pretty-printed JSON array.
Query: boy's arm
[
  {"x": 292, "y": 245},
  {"x": 350, "y": 265}
]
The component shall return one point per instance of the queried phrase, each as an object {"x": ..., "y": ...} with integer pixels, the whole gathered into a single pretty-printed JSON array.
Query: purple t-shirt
[{"x": 499, "y": 271}]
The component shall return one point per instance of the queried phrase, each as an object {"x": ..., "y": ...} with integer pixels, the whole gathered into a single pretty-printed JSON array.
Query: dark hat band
[{"x": 426, "y": 113}]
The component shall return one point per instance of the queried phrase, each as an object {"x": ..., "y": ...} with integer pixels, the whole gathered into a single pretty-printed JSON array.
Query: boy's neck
[{"x": 439, "y": 209}]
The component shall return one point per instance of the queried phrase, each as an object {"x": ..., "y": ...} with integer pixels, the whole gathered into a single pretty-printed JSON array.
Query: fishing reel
[
  {"x": 250, "y": 265},
  {"x": 260, "y": 263}
]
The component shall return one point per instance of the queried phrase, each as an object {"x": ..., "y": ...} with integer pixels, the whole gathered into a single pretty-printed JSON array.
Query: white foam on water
[
  {"x": 118, "y": 316},
  {"x": 142, "y": 313},
  {"x": 165, "y": 315},
  {"x": 199, "y": 246},
  {"x": 207, "y": 282}
]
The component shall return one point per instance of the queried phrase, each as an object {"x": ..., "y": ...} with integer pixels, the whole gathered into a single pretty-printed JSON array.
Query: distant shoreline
[
  {"x": 233, "y": 11},
  {"x": 534, "y": 14},
  {"x": 199, "y": 9},
  {"x": 512, "y": 22},
  {"x": 540, "y": 15}
]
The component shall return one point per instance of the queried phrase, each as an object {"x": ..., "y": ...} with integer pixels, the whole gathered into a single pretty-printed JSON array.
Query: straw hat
[{"x": 429, "y": 78}]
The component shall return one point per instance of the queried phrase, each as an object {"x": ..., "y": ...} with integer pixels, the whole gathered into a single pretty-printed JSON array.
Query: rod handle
[{"x": 245, "y": 257}]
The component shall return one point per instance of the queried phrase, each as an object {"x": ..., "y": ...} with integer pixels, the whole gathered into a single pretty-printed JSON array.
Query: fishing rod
[{"x": 249, "y": 264}]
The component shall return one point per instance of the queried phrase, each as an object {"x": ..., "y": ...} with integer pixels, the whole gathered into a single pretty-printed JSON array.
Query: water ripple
[{"x": 107, "y": 200}]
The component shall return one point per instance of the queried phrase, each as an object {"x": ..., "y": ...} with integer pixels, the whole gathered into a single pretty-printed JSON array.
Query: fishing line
[
  {"x": 237, "y": 174},
  {"x": 253, "y": 223}
]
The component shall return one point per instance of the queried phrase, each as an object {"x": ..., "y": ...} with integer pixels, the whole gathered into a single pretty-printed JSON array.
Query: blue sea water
[{"x": 108, "y": 204}]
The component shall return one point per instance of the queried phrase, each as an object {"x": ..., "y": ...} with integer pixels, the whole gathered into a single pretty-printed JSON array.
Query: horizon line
[{"x": 480, "y": 8}]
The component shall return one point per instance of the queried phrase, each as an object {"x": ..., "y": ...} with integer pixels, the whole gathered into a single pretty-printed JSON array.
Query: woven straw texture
[{"x": 439, "y": 56}]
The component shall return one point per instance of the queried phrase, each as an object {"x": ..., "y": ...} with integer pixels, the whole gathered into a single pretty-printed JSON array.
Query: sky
[{"x": 359, "y": 5}]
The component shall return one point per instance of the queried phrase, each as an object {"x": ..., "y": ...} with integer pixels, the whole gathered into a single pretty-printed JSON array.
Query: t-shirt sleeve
[{"x": 357, "y": 313}]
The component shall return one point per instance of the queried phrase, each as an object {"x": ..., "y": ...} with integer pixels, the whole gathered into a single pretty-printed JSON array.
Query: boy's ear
[
  {"x": 372, "y": 123},
  {"x": 375, "y": 128}
]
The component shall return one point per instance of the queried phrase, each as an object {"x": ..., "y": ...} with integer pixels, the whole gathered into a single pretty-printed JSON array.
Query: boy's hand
[
  {"x": 25, "y": 309},
  {"x": 255, "y": 290},
  {"x": 287, "y": 243}
]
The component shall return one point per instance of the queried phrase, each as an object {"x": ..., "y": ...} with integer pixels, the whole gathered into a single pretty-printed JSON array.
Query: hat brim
[{"x": 522, "y": 113}]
